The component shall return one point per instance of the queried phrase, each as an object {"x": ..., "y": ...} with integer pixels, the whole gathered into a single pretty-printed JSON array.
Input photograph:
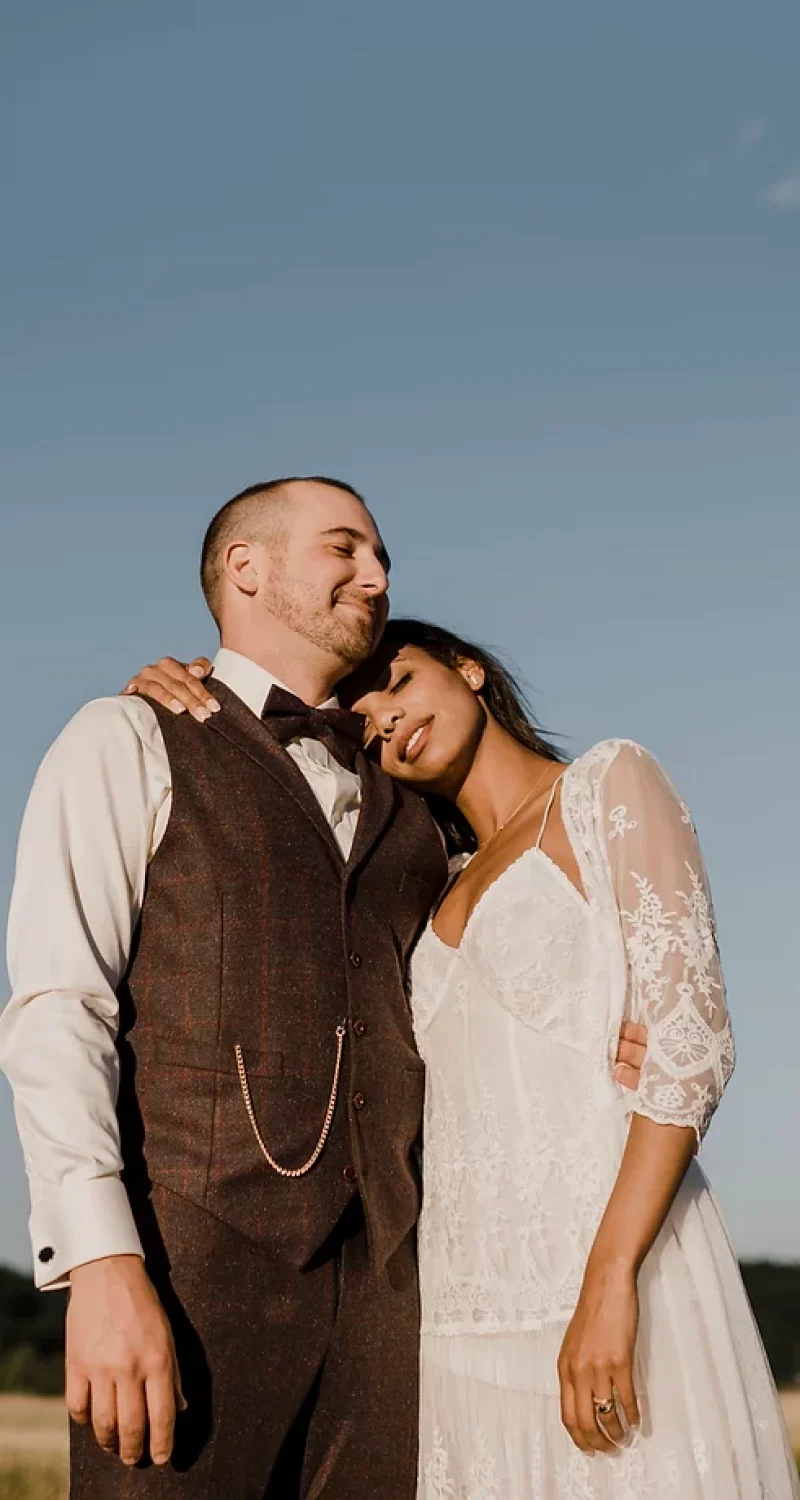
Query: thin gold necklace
[{"x": 529, "y": 796}]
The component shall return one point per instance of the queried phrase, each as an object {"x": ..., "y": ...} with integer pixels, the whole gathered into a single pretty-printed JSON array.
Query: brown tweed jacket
[{"x": 255, "y": 932}]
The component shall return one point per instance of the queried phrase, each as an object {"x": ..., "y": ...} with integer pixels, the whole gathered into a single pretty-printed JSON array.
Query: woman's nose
[{"x": 389, "y": 721}]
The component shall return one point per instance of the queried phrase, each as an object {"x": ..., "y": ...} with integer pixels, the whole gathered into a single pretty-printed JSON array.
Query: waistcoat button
[
  {"x": 360, "y": 1028},
  {"x": 350, "y": 1174},
  {"x": 355, "y": 959},
  {"x": 358, "y": 1101}
]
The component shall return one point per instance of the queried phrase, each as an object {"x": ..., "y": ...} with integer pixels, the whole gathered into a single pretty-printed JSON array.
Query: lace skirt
[{"x": 712, "y": 1429}]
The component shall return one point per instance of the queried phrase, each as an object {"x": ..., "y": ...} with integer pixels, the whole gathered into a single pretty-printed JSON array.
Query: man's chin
[
  {"x": 357, "y": 641},
  {"x": 357, "y": 649}
]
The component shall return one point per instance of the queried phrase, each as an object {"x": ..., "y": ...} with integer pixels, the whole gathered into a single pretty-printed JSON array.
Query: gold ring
[{"x": 603, "y": 1408}]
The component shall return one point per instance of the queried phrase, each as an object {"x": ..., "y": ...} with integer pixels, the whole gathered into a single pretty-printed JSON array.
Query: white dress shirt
[{"x": 97, "y": 813}]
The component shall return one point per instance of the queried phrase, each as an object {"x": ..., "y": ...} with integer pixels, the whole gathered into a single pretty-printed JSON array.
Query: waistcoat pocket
[{"x": 215, "y": 1057}]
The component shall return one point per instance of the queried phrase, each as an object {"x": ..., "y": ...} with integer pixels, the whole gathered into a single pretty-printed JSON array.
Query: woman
[{"x": 585, "y": 1329}]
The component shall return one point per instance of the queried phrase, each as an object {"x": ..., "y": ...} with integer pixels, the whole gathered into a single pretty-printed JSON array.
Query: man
[
  {"x": 214, "y": 928},
  {"x": 216, "y": 1084}
]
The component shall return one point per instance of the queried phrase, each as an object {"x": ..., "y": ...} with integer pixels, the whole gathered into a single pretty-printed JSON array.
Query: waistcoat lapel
[
  {"x": 241, "y": 728},
  {"x": 377, "y": 805}
]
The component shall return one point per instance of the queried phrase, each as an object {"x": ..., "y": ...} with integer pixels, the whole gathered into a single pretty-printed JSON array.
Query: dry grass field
[
  {"x": 791, "y": 1411},
  {"x": 33, "y": 1448},
  {"x": 33, "y": 1445}
]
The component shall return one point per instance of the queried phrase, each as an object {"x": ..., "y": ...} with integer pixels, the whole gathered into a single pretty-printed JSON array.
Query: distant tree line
[
  {"x": 774, "y": 1292},
  {"x": 31, "y": 1336},
  {"x": 32, "y": 1327}
]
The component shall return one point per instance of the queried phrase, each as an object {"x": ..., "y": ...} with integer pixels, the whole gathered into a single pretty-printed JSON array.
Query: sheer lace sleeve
[{"x": 675, "y": 984}]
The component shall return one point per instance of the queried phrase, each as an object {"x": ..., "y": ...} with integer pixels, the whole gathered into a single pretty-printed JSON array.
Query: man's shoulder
[
  {"x": 107, "y": 724},
  {"x": 117, "y": 715}
]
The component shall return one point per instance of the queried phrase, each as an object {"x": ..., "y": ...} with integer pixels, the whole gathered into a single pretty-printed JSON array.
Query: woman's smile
[{"x": 412, "y": 741}]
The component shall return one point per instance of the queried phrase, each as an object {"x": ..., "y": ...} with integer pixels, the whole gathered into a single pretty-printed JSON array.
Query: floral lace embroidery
[
  {"x": 524, "y": 1132},
  {"x": 523, "y": 1129},
  {"x": 618, "y": 818},
  {"x": 655, "y": 884},
  {"x": 516, "y": 1180},
  {"x": 677, "y": 988},
  {"x": 471, "y": 1470}
]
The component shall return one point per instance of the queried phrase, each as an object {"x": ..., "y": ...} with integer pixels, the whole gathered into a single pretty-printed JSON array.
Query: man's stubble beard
[{"x": 351, "y": 639}]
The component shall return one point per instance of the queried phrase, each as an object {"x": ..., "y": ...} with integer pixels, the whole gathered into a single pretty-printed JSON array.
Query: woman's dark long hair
[{"x": 501, "y": 694}]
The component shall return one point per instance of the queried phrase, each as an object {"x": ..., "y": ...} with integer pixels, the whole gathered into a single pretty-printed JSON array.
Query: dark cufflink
[{"x": 46, "y": 1254}]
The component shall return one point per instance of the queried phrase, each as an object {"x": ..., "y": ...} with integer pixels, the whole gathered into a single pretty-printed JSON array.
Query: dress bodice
[
  {"x": 512, "y": 1027},
  {"x": 524, "y": 1124},
  {"x": 528, "y": 943}
]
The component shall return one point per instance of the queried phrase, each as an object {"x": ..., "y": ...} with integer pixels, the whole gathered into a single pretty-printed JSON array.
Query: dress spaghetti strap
[{"x": 545, "y": 815}]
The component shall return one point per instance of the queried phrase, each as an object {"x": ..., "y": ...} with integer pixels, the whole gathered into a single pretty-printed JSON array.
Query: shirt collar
[{"x": 249, "y": 681}]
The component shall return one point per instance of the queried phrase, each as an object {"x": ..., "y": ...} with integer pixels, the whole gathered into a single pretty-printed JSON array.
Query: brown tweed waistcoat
[{"x": 255, "y": 932}]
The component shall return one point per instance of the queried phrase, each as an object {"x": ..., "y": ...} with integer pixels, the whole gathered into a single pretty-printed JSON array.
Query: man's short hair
[{"x": 255, "y": 512}]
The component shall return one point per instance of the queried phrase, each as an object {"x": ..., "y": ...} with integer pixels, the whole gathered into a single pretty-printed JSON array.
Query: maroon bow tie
[{"x": 288, "y": 717}]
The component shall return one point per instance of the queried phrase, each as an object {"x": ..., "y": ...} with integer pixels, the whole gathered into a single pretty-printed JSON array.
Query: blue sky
[{"x": 528, "y": 276}]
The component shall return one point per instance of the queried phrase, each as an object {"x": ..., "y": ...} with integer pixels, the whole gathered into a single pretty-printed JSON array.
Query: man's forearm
[
  {"x": 84, "y": 847},
  {"x": 59, "y": 1054}
]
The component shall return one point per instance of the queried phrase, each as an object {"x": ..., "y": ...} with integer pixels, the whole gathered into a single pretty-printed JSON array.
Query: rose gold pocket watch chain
[{"x": 341, "y": 1032}]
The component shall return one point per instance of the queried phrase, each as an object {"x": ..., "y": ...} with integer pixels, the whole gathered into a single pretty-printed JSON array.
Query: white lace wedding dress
[{"x": 524, "y": 1133}]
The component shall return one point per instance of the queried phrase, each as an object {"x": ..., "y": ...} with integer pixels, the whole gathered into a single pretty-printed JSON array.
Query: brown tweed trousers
[{"x": 294, "y": 1300}]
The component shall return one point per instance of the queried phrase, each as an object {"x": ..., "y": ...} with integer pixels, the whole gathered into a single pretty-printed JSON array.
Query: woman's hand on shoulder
[{"x": 176, "y": 686}]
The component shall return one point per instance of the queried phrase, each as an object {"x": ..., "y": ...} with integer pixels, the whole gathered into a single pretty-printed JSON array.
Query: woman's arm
[
  {"x": 675, "y": 988},
  {"x": 597, "y": 1354}
]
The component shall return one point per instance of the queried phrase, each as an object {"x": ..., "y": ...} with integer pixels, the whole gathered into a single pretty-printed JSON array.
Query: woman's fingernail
[
  {"x": 197, "y": 671},
  {"x": 201, "y": 714},
  {"x": 214, "y": 706},
  {"x": 176, "y": 706}
]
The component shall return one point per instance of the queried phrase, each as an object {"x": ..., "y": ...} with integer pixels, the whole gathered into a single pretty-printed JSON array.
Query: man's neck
[{"x": 305, "y": 670}]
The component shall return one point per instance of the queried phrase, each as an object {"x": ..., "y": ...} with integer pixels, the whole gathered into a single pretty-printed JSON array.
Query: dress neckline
[{"x": 454, "y": 949}]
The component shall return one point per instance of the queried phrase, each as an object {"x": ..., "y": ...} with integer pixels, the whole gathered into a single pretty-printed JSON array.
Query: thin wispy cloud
[
  {"x": 751, "y": 133},
  {"x": 785, "y": 193}
]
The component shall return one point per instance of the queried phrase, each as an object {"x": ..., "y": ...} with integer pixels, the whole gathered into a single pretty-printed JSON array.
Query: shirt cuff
[{"x": 83, "y": 1219}]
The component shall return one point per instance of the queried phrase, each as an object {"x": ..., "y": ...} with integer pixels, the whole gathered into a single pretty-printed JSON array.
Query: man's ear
[
  {"x": 472, "y": 673},
  {"x": 240, "y": 565}
]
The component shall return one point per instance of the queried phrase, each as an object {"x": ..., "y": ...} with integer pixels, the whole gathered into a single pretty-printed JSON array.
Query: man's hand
[
  {"x": 122, "y": 1373},
  {"x": 630, "y": 1054},
  {"x": 176, "y": 686}
]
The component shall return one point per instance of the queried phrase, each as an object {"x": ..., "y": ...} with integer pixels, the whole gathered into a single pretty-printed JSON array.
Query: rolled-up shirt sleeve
[{"x": 96, "y": 811}]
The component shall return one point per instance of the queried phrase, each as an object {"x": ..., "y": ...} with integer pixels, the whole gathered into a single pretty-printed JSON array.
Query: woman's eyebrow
[{"x": 360, "y": 536}]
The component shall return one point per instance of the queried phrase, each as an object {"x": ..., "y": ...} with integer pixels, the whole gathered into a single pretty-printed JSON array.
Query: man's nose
[{"x": 375, "y": 578}]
